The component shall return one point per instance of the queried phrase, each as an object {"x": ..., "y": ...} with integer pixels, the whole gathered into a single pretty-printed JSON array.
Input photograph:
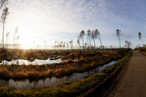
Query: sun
[{"x": 26, "y": 39}]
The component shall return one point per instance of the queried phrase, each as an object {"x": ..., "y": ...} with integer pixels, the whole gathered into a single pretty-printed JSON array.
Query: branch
[{"x": 2, "y": 2}]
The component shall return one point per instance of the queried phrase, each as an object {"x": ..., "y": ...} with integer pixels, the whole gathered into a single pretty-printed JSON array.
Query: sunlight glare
[{"x": 26, "y": 38}]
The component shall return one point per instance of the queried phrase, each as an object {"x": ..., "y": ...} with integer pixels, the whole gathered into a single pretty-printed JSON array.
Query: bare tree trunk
[
  {"x": 100, "y": 40},
  {"x": 119, "y": 42},
  {"x": 2, "y": 4},
  {"x": 94, "y": 42},
  {"x": 83, "y": 42},
  {"x": 142, "y": 42},
  {"x": 3, "y": 35},
  {"x": 90, "y": 42}
]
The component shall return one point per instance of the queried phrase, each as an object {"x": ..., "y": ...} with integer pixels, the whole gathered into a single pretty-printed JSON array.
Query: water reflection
[
  {"x": 53, "y": 80},
  {"x": 26, "y": 62}
]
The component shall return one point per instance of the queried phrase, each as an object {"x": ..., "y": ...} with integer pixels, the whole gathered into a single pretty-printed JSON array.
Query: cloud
[
  {"x": 50, "y": 16},
  {"x": 71, "y": 16}
]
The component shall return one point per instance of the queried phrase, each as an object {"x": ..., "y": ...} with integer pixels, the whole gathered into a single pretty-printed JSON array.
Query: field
[
  {"x": 84, "y": 60},
  {"x": 74, "y": 61}
]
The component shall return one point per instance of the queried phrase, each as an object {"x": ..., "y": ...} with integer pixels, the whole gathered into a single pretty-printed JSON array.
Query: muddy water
[{"x": 24, "y": 84}]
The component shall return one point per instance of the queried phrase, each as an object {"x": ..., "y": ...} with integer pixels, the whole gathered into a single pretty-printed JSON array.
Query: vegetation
[
  {"x": 73, "y": 61},
  {"x": 4, "y": 17},
  {"x": 84, "y": 61},
  {"x": 67, "y": 89},
  {"x": 140, "y": 37},
  {"x": 98, "y": 33},
  {"x": 141, "y": 50},
  {"x": 118, "y": 33},
  {"x": 94, "y": 36},
  {"x": 127, "y": 44},
  {"x": 82, "y": 34},
  {"x": 90, "y": 36},
  {"x": 3, "y": 3}
]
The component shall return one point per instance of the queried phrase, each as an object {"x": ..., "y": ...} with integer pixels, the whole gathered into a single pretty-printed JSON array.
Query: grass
[
  {"x": 61, "y": 90},
  {"x": 4, "y": 73},
  {"x": 73, "y": 89},
  {"x": 85, "y": 61}
]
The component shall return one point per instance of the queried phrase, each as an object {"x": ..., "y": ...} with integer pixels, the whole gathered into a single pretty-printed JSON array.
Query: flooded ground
[
  {"x": 35, "y": 62},
  {"x": 24, "y": 84}
]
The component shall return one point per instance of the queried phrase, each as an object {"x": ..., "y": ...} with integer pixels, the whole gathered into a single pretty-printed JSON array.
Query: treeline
[{"x": 91, "y": 36}]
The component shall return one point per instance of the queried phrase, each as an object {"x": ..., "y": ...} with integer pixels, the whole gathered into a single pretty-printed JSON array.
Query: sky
[{"x": 62, "y": 20}]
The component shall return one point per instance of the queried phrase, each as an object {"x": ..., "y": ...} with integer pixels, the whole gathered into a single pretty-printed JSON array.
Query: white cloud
[{"x": 34, "y": 17}]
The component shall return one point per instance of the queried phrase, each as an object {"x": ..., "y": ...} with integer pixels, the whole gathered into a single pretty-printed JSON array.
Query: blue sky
[{"x": 63, "y": 20}]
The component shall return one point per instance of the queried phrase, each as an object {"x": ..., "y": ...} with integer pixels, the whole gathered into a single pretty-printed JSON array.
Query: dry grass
[
  {"x": 19, "y": 76},
  {"x": 74, "y": 89},
  {"x": 85, "y": 61},
  {"x": 4, "y": 73},
  {"x": 58, "y": 85}
]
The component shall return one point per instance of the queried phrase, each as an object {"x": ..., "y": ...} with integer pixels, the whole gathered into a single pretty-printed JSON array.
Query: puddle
[
  {"x": 26, "y": 62},
  {"x": 24, "y": 84}
]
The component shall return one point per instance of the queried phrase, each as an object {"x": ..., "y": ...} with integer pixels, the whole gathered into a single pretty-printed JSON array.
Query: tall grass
[{"x": 73, "y": 89}]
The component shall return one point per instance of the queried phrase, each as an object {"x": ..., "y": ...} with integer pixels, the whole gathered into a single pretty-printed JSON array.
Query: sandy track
[{"x": 133, "y": 81}]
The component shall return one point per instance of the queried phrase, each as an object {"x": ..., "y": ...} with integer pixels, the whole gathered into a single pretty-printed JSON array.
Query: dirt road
[{"x": 133, "y": 81}]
